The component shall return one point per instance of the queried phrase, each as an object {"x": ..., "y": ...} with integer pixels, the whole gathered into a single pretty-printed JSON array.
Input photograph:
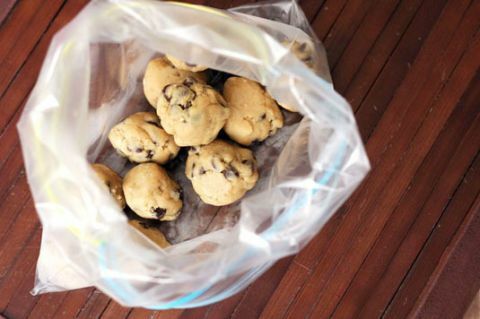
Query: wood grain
[{"x": 404, "y": 245}]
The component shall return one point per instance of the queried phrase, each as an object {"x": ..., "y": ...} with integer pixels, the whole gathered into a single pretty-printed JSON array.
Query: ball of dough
[
  {"x": 254, "y": 114},
  {"x": 141, "y": 139},
  {"x": 152, "y": 233},
  {"x": 151, "y": 193},
  {"x": 192, "y": 112},
  {"x": 304, "y": 51},
  {"x": 160, "y": 73},
  {"x": 179, "y": 64},
  {"x": 112, "y": 181},
  {"x": 221, "y": 173}
]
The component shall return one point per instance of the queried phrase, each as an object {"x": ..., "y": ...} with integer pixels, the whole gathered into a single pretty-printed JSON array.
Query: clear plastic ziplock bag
[{"x": 91, "y": 79}]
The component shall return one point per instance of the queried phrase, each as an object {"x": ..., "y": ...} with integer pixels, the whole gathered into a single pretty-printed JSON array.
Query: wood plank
[
  {"x": 22, "y": 266},
  {"x": 6, "y": 7},
  {"x": 18, "y": 234},
  {"x": 359, "y": 83},
  {"x": 374, "y": 104},
  {"x": 310, "y": 256},
  {"x": 72, "y": 303},
  {"x": 327, "y": 16},
  {"x": 115, "y": 311},
  {"x": 253, "y": 303},
  {"x": 9, "y": 137},
  {"x": 26, "y": 76},
  {"x": 381, "y": 210},
  {"x": 455, "y": 281},
  {"x": 47, "y": 305},
  {"x": 18, "y": 38},
  {"x": 21, "y": 302},
  {"x": 221, "y": 309},
  {"x": 427, "y": 186},
  {"x": 141, "y": 313},
  {"x": 10, "y": 170},
  {"x": 95, "y": 306},
  {"x": 388, "y": 158},
  {"x": 426, "y": 262},
  {"x": 169, "y": 314},
  {"x": 365, "y": 37},
  {"x": 347, "y": 23},
  {"x": 311, "y": 8}
]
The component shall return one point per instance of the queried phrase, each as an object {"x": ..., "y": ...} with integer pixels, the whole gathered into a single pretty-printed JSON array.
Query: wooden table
[{"x": 406, "y": 244}]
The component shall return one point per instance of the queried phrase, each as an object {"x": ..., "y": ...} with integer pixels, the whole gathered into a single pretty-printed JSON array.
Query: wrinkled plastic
[{"x": 91, "y": 79}]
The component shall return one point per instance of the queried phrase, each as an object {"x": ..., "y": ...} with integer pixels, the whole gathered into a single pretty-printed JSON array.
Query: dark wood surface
[{"x": 405, "y": 245}]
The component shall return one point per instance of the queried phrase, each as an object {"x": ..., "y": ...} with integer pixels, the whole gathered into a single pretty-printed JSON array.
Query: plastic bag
[{"x": 91, "y": 79}]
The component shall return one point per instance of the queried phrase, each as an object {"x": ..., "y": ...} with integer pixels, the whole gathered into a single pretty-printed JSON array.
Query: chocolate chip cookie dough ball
[
  {"x": 181, "y": 65},
  {"x": 159, "y": 73},
  {"x": 112, "y": 181},
  {"x": 192, "y": 112},
  {"x": 141, "y": 139},
  {"x": 221, "y": 173},
  {"x": 152, "y": 233},
  {"x": 254, "y": 114},
  {"x": 151, "y": 193},
  {"x": 304, "y": 51}
]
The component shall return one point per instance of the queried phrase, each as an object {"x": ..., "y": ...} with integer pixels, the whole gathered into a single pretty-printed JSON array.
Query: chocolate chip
[
  {"x": 230, "y": 173},
  {"x": 255, "y": 142},
  {"x": 153, "y": 123},
  {"x": 249, "y": 163},
  {"x": 302, "y": 47},
  {"x": 167, "y": 95},
  {"x": 263, "y": 116},
  {"x": 193, "y": 168},
  {"x": 138, "y": 150},
  {"x": 149, "y": 154},
  {"x": 159, "y": 212},
  {"x": 202, "y": 171},
  {"x": 182, "y": 97},
  {"x": 145, "y": 225},
  {"x": 194, "y": 149},
  {"x": 185, "y": 107},
  {"x": 308, "y": 59},
  {"x": 189, "y": 81}
]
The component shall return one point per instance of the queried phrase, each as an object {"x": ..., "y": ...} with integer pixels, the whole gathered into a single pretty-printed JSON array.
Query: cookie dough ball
[
  {"x": 152, "y": 233},
  {"x": 192, "y": 112},
  {"x": 151, "y": 193},
  {"x": 159, "y": 73},
  {"x": 254, "y": 114},
  {"x": 141, "y": 139},
  {"x": 112, "y": 181},
  {"x": 221, "y": 173},
  {"x": 181, "y": 65},
  {"x": 304, "y": 51}
]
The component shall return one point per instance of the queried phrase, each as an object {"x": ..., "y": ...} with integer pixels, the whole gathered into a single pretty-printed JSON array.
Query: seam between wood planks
[
  {"x": 406, "y": 189},
  {"x": 20, "y": 67},
  {"x": 10, "y": 11}
]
